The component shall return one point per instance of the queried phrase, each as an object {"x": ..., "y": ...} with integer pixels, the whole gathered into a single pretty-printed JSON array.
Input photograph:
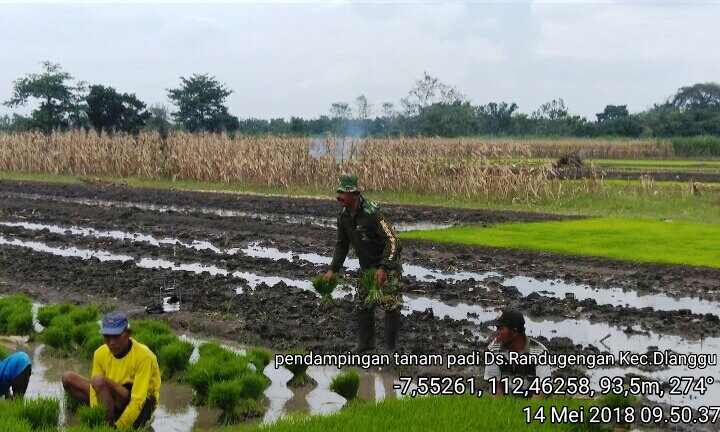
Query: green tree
[
  {"x": 429, "y": 90},
  {"x": 613, "y": 112},
  {"x": 704, "y": 96},
  {"x": 60, "y": 101},
  {"x": 110, "y": 111},
  {"x": 497, "y": 117},
  {"x": 200, "y": 100},
  {"x": 159, "y": 120}
]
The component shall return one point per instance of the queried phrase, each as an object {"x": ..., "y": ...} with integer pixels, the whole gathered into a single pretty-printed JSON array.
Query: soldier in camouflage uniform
[{"x": 362, "y": 224}]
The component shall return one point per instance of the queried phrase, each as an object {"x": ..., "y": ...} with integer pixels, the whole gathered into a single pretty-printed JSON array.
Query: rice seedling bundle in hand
[
  {"x": 325, "y": 289},
  {"x": 346, "y": 385},
  {"x": 369, "y": 285}
]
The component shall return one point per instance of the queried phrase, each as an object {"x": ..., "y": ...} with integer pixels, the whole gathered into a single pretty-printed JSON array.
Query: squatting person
[
  {"x": 362, "y": 224},
  {"x": 510, "y": 336},
  {"x": 125, "y": 377},
  {"x": 15, "y": 373}
]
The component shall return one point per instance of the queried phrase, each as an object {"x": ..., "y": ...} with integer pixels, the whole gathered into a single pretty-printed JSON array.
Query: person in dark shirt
[
  {"x": 362, "y": 224},
  {"x": 510, "y": 336}
]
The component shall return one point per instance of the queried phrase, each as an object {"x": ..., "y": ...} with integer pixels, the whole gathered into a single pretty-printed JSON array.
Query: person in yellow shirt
[{"x": 125, "y": 377}]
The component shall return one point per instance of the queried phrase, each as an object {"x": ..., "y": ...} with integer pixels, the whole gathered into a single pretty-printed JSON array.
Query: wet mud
[{"x": 241, "y": 274}]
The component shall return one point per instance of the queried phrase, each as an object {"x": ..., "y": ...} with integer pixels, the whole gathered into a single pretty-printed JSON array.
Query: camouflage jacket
[{"x": 371, "y": 236}]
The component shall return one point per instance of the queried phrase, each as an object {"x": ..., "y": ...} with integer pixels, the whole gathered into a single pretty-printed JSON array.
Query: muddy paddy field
[{"x": 239, "y": 268}]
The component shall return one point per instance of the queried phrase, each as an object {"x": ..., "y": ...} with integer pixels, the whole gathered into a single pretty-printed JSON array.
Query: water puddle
[
  {"x": 65, "y": 252},
  {"x": 420, "y": 273},
  {"x": 116, "y": 235},
  {"x": 612, "y": 296},
  {"x": 288, "y": 218},
  {"x": 293, "y": 219}
]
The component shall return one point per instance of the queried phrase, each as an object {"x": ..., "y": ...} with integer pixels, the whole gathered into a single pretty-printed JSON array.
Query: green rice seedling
[
  {"x": 83, "y": 428},
  {"x": 369, "y": 285},
  {"x": 325, "y": 289},
  {"x": 260, "y": 358},
  {"x": 300, "y": 377},
  {"x": 92, "y": 343},
  {"x": 92, "y": 416},
  {"x": 13, "y": 315},
  {"x": 226, "y": 396},
  {"x": 152, "y": 327},
  {"x": 46, "y": 313},
  {"x": 20, "y": 323},
  {"x": 155, "y": 342},
  {"x": 253, "y": 386},
  {"x": 346, "y": 385},
  {"x": 41, "y": 413},
  {"x": 175, "y": 357},
  {"x": 84, "y": 314},
  {"x": 71, "y": 404},
  {"x": 59, "y": 339},
  {"x": 82, "y": 332},
  {"x": 214, "y": 349},
  {"x": 14, "y": 424},
  {"x": 209, "y": 370}
]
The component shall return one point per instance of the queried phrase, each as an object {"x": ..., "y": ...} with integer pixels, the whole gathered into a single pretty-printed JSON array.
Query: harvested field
[{"x": 241, "y": 266}]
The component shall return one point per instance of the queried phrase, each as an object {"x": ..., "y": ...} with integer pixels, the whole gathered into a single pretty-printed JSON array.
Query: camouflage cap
[{"x": 348, "y": 183}]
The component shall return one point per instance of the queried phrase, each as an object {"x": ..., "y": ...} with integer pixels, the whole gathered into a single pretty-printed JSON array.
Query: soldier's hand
[
  {"x": 329, "y": 275},
  {"x": 380, "y": 276}
]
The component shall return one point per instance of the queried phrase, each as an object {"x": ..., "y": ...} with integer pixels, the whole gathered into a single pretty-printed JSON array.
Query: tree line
[{"x": 431, "y": 108}]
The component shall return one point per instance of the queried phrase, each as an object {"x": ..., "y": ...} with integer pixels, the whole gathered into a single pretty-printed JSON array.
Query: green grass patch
[
  {"x": 673, "y": 242},
  {"x": 439, "y": 413},
  {"x": 696, "y": 146}
]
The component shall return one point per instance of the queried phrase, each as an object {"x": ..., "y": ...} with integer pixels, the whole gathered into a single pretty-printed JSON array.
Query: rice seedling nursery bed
[{"x": 241, "y": 266}]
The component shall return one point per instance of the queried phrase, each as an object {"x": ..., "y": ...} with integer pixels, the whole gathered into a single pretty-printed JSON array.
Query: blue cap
[{"x": 113, "y": 323}]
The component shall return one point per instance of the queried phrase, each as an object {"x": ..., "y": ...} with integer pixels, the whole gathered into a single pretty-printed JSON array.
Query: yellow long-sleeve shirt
[{"x": 139, "y": 367}]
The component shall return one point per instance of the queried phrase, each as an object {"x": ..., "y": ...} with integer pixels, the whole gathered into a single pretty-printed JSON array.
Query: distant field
[{"x": 669, "y": 242}]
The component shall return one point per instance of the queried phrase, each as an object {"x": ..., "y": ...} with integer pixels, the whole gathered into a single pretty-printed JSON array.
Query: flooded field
[
  {"x": 177, "y": 413},
  {"x": 240, "y": 267}
]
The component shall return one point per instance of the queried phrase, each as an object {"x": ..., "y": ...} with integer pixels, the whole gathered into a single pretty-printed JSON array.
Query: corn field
[{"x": 454, "y": 168}]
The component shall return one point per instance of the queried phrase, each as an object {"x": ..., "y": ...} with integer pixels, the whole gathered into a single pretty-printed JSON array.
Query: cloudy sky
[{"x": 295, "y": 59}]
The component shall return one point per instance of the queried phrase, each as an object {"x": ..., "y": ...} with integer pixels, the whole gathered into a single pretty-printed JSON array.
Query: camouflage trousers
[{"x": 391, "y": 293}]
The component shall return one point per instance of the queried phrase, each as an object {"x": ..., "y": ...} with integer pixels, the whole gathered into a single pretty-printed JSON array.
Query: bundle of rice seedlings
[
  {"x": 260, "y": 358},
  {"x": 15, "y": 424},
  {"x": 325, "y": 289},
  {"x": 83, "y": 332},
  {"x": 370, "y": 286},
  {"x": 226, "y": 396},
  {"x": 92, "y": 342},
  {"x": 346, "y": 385},
  {"x": 15, "y": 315},
  {"x": 84, "y": 314},
  {"x": 175, "y": 357},
  {"x": 59, "y": 339},
  {"x": 300, "y": 377},
  {"x": 215, "y": 364},
  {"x": 46, "y": 313},
  {"x": 253, "y": 386},
  {"x": 92, "y": 416},
  {"x": 41, "y": 413},
  {"x": 71, "y": 404}
]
